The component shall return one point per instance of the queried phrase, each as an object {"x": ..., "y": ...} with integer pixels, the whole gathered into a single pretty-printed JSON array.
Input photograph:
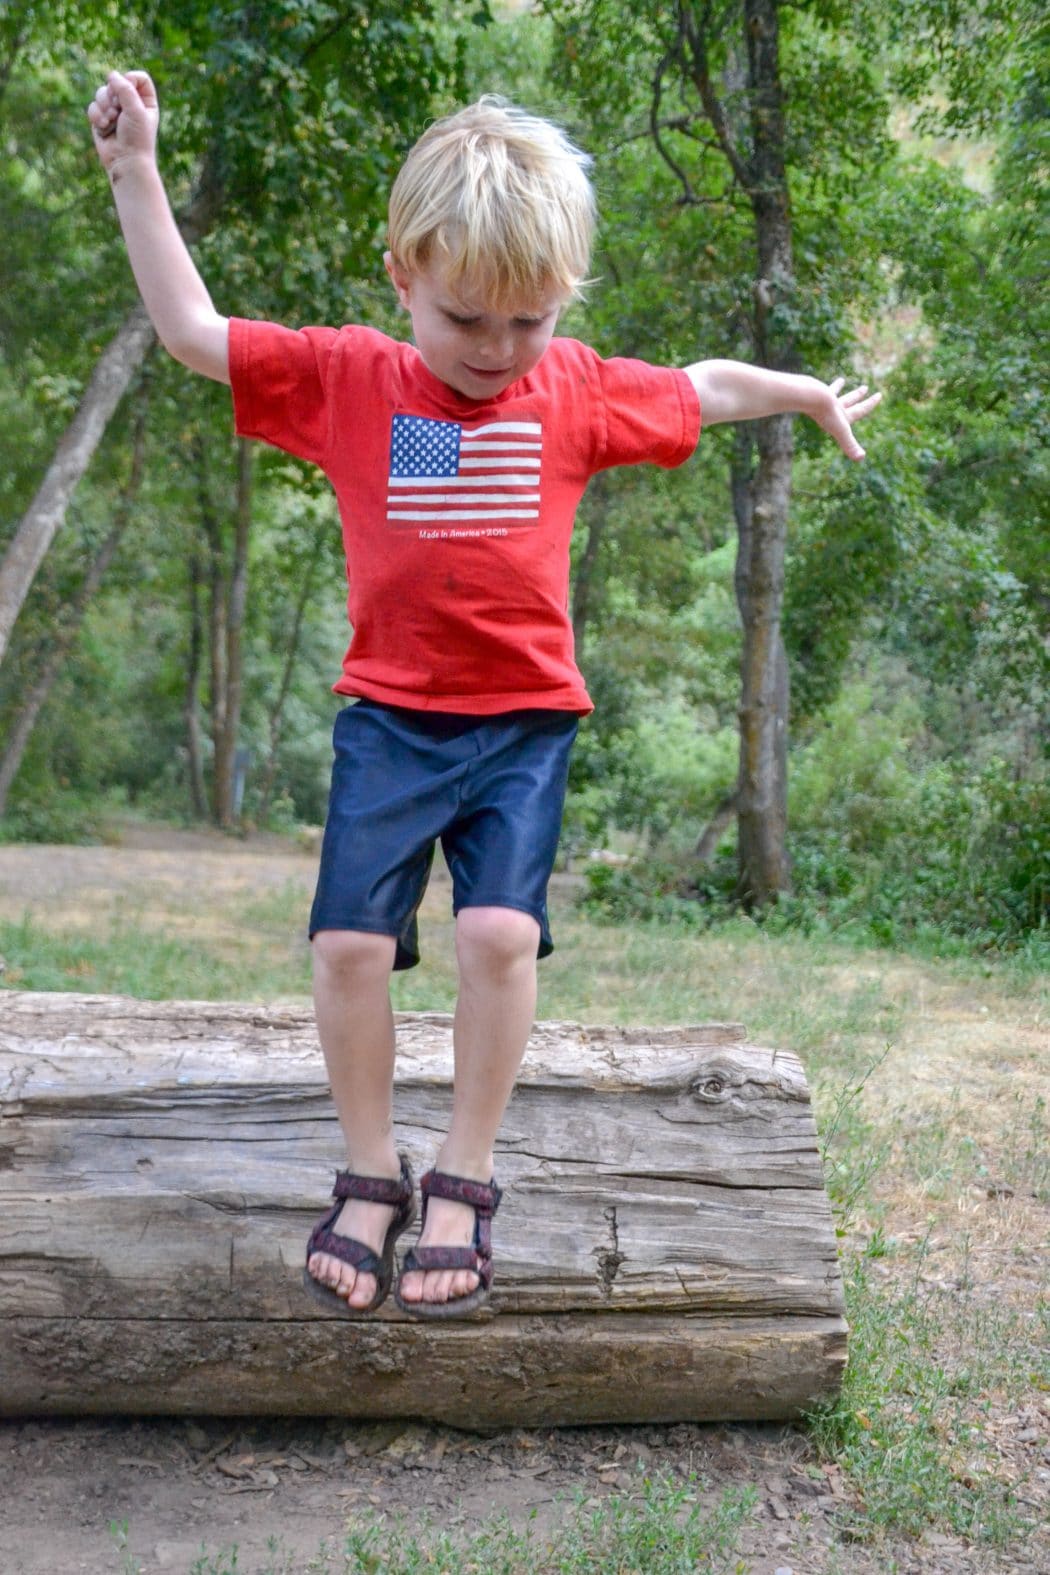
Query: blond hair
[{"x": 501, "y": 200}]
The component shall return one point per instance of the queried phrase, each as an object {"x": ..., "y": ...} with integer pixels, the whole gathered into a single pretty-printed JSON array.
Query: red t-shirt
[{"x": 456, "y": 515}]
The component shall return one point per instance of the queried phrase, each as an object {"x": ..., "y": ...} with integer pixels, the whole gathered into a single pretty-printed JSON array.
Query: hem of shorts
[
  {"x": 403, "y": 958},
  {"x": 351, "y": 924},
  {"x": 546, "y": 943}
]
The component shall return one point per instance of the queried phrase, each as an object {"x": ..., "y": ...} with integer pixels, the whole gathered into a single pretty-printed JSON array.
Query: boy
[{"x": 458, "y": 462}]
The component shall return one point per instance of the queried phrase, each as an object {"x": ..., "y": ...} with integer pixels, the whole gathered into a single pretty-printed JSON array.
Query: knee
[
  {"x": 352, "y": 957},
  {"x": 496, "y": 940}
]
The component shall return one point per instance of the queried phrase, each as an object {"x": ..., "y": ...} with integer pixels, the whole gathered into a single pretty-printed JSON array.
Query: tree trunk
[
  {"x": 716, "y": 828},
  {"x": 761, "y": 793},
  {"x": 191, "y": 706},
  {"x": 211, "y": 527},
  {"x": 276, "y": 721},
  {"x": 227, "y": 593},
  {"x": 116, "y": 367},
  {"x": 73, "y": 617},
  {"x": 664, "y": 1249},
  {"x": 584, "y": 577},
  {"x": 226, "y": 741},
  {"x": 757, "y": 160},
  {"x": 108, "y": 382},
  {"x": 763, "y": 866}
]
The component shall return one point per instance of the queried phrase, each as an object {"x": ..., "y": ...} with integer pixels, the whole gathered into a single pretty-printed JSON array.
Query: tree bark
[
  {"x": 761, "y": 794},
  {"x": 584, "y": 577},
  {"x": 66, "y": 634},
  {"x": 664, "y": 1249},
  {"x": 762, "y": 493},
  {"x": 226, "y": 744},
  {"x": 106, "y": 387},
  {"x": 227, "y": 597},
  {"x": 713, "y": 832},
  {"x": 276, "y": 720},
  {"x": 764, "y": 868},
  {"x": 215, "y": 575},
  {"x": 191, "y": 704}
]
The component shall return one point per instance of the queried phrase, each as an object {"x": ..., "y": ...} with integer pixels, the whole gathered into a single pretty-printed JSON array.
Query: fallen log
[{"x": 665, "y": 1249}]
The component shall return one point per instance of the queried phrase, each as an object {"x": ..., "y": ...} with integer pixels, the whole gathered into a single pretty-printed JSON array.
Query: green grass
[
  {"x": 123, "y": 957},
  {"x": 908, "y": 1425},
  {"x": 661, "y": 1529}
]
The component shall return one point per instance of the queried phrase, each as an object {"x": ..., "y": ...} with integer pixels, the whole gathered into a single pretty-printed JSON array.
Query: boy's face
[{"x": 476, "y": 351}]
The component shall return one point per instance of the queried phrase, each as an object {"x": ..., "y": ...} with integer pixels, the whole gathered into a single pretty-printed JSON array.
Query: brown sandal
[
  {"x": 484, "y": 1198},
  {"x": 372, "y": 1189}
]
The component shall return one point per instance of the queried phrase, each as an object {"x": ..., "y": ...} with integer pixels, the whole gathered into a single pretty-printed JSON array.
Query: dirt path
[{"x": 290, "y": 1485}]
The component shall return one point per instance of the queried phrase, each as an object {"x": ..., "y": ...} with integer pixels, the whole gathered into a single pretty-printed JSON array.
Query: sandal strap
[
  {"x": 346, "y": 1248},
  {"x": 374, "y": 1189},
  {"x": 483, "y": 1196},
  {"x": 476, "y": 1259}
]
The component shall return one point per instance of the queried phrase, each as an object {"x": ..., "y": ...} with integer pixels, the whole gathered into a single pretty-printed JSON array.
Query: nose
[{"x": 496, "y": 348}]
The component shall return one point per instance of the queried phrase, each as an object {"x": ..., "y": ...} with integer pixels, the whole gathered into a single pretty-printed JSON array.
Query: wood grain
[{"x": 665, "y": 1249}]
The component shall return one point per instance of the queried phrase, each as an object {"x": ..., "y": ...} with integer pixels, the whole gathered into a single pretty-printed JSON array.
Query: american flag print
[{"x": 464, "y": 479}]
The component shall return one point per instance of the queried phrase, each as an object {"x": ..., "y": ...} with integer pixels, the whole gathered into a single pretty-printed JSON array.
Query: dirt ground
[{"x": 183, "y": 1484}]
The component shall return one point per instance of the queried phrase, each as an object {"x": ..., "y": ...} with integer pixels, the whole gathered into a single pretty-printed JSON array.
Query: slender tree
[
  {"x": 62, "y": 639},
  {"x": 289, "y": 111}
]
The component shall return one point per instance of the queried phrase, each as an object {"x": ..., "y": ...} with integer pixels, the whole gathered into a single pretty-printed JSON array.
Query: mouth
[{"x": 489, "y": 373}]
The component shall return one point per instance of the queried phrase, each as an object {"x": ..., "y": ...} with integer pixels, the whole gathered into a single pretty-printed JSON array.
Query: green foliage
[
  {"x": 916, "y": 605},
  {"x": 887, "y": 842}
]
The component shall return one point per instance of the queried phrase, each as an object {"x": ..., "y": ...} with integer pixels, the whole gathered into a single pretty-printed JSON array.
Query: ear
[{"x": 400, "y": 277}]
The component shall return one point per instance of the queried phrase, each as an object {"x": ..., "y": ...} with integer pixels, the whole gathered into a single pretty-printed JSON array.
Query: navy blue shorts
[{"x": 491, "y": 788}]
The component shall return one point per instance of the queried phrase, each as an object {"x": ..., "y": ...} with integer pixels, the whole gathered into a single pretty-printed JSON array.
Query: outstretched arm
[
  {"x": 736, "y": 391},
  {"x": 124, "y": 117}
]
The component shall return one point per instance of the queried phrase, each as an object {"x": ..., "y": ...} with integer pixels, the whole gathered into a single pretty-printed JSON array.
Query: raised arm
[
  {"x": 124, "y": 117},
  {"x": 736, "y": 391}
]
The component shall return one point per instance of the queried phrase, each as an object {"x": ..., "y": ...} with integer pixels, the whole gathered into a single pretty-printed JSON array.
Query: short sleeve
[
  {"x": 279, "y": 378},
  {"x": 652, "y": 414}
]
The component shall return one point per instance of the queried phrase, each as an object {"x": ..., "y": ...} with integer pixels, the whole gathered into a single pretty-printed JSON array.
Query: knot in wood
[{"x": 711, "y": 1087}]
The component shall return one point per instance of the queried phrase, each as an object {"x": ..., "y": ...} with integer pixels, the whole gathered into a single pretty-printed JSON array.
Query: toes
[
  {"x": 444, "y": 1285},
  {"x": 409, "y": 1287},
  {"x": 356, "y": 1289},
  {"x": 362, "y": 1291}
]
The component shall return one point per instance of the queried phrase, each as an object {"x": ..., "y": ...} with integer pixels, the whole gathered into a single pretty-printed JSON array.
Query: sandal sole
[{"x": 436, "y": 1312}]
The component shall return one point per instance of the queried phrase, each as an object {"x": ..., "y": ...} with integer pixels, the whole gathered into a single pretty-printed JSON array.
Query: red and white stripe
[{"x": 498, "y": 480}]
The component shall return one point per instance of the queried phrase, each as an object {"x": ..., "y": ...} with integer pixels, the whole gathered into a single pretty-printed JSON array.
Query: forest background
[{"x": 853, "y": 188}]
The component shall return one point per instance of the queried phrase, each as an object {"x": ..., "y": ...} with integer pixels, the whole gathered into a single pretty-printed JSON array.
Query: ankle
[
  {"x": 463, "y": 1160},
  {"x": 375, "y": 1161}
]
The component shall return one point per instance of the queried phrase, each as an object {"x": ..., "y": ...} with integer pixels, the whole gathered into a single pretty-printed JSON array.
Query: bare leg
[
  {"x": 355, "y": 1024},
  {"x": 496, "y": 949}
]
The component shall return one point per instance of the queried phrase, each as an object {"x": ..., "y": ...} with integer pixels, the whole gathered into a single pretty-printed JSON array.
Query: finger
[
  {"x": 124, "y": 91},
  {"x": 837, "y": 384},
  {"x": 854, "y": 394},
  {"x": 858, "y": 412},
  {"x": 103, "y": 119},
  {"x": 134, "y": 89},
  {"x": 142, "y": 82}
]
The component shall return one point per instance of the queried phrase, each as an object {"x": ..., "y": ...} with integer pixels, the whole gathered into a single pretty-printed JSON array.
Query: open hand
[
  {"x": 837, "y": 414},
  {"x": 124, "y": 115}
]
